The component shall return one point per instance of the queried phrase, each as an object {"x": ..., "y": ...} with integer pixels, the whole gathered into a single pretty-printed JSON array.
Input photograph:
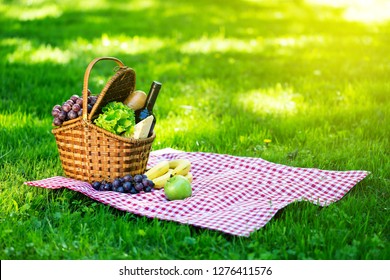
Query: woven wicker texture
[{"x": 89, "y": 153}]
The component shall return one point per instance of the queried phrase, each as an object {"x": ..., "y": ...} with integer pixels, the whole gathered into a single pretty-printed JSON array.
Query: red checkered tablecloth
[{"x": 235, "y": 195}]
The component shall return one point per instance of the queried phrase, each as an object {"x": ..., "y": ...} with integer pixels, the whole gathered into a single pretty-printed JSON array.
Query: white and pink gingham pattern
[{"x": 235, "y": 195}]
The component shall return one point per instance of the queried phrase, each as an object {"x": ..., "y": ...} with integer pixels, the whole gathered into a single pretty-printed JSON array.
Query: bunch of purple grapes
[
  {"x": 126, "y": 184},
  {"x": 71, "y": 109}
]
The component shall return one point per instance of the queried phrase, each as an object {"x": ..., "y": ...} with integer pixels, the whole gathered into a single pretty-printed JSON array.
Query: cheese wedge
[{"x": 141, "y": 129}]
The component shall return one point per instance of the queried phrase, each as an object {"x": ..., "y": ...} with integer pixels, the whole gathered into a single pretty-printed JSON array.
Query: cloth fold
[{"x": 231, "y": 194}]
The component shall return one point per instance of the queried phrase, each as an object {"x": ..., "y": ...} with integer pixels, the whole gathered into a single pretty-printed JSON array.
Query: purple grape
[
  {"x": 96, "y": 185},
  {"x": 94, "y": 99},
  {"x": 150, "y": 183},
  {"x": 79, "y": 101},
  {"x": 57, "y": 122},
  {"x": 145, "y": 182},
  {"x": 127, "y": 178},
  {"x": 133, "y": 190},
  {"x": 62, "y": 116},
  {"x": 116, "y": 183},
  {"x": 70, "y": 102},
  {"x": 127, "y": 186},
  {"x": 120, "y": 189},
  {"x": 148, "y": 189},
  {"x": 76, "y": 107},
  {"x": 74, "y": 98},
  {"x": 107, "y": 186},
  {"x": 66, "y": 107},
  {"x": 138, "y": 178},
  {"x": 55, "y": 112},
  {"x": 57, "y": 107},
  {"x": 139, "y": 187},
  {"x": 72, "y": 115},
  {"x": 89, "y": 92},
  {"x": 89, "y": 108}
]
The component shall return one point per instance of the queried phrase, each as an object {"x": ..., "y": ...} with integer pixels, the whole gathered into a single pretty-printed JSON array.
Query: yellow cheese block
[{"x": 141, "y": 129}]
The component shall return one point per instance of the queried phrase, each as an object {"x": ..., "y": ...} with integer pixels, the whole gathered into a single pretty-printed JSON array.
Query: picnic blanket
[{"x": 231, "y": 194}]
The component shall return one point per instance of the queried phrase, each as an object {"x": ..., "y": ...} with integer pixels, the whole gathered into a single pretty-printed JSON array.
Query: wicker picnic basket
[{"x": 90, "y": 153}]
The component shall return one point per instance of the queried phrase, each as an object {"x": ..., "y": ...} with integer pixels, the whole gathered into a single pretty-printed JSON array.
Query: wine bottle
[{"x": 147, "y": 111}]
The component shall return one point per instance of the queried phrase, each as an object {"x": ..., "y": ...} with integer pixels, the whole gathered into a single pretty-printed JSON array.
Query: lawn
[{"x": 312, "y": 78}]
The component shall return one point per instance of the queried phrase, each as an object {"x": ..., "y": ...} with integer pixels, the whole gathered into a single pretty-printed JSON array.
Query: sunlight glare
[
  {"x": 118, "y": 43},
  {"x": 255, "y": 45},
  {"x": 25, "y": 52},
  {"x": 360, "y": 10},
  {"x": 207, "y": 45},
  {"x": 33, "y": 13},
  {"x": 273, "y": 100}
]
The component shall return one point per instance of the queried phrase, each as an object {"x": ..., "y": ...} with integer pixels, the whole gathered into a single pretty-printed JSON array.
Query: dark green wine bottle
[{"x": 147, "y": 111}]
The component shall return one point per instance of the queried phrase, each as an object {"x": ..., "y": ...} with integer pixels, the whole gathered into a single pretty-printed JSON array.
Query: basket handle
[{"x": 86, "y": 79}]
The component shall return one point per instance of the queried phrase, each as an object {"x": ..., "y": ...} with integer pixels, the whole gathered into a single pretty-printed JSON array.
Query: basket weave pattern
[{"x": 90, "y": 153}]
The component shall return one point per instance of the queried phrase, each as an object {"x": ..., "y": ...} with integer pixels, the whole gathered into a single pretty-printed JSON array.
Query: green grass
[{"x": 234, "y": 73}]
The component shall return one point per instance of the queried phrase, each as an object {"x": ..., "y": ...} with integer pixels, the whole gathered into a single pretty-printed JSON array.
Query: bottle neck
[{"x": 152, "y": 95}]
